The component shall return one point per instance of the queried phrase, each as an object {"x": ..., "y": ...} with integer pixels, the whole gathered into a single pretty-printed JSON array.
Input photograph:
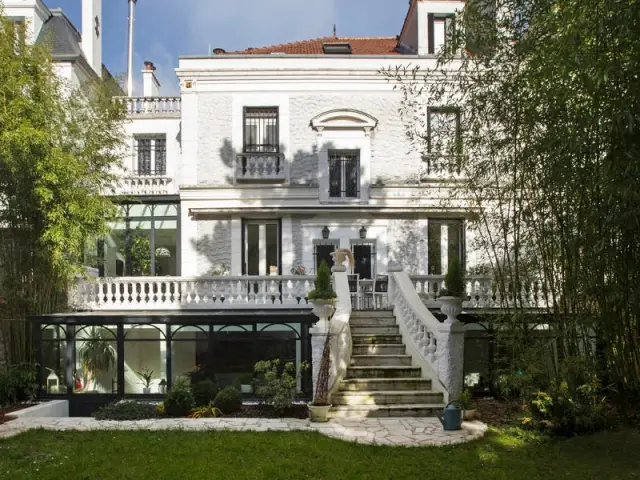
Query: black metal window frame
[
  {"x": 339, "y": 161},
  {"x": 449, "y": 22},
  {"x": 334, "y": 242},
  {"x": 151, "y": 155},
  {"x": 127, "y": 218},
  {"x": 261, "y": 140},
  {"x": 462, "y": 247},
  {"x": 432, "y": 158}
]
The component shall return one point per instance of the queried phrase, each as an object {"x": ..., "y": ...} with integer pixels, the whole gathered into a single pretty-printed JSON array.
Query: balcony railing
[
  {"x": 172, "y": 293},
  {"x": 152, "y": 107},
  {"x": 143, "y": 184},
  {"x": 481, "y": 292},
  {"x": 260, "y": 167}
]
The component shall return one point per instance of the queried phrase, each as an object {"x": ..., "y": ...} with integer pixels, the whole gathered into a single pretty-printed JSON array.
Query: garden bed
[
  {"x": 267, "y": 411},
  {"x": 5, "y": 412}
]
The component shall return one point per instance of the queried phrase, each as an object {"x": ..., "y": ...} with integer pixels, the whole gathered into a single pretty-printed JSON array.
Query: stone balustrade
[
  {"x": 171, "y": 293},
  {"x": 132, "y": 184},
  {"x": 260, "y": 167},
  {"x": 167, "y": 107},
  {"x": 481, "y": 292}
]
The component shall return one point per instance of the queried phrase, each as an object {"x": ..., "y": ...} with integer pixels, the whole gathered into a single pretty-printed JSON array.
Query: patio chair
[{"x": 381, "y": 291}]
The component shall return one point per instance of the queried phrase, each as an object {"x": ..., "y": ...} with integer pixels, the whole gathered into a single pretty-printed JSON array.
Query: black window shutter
[{"x": 430, "y": 33}]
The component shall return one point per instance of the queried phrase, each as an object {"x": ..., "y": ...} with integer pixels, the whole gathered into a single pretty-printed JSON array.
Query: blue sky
[{"x": 166, "y": 29}]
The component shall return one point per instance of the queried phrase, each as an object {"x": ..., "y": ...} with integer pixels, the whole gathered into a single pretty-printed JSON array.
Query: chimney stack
[
  {"x": 132, "y": 4},
  {"x": 151, "y": 85},
  {"x": 92, "y": 33}
]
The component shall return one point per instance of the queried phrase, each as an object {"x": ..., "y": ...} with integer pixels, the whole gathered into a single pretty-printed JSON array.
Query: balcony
[
  {"x": 138, "y": 184},
  {"x": 180, "y": 293},
  {"x": 152, "y": 107},
  {"x": 260, "y": 167}
]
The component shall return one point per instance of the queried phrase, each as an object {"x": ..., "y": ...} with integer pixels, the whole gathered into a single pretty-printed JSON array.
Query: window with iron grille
[
  {"x": 364, "y": 254},
  {"x": 152, "y": 155},
  {"x": 322, "y": 250},
  {"x": 261, "y": 134},
  {"x": 444, "y": 139},
  {"x": 344, "y": 173}
]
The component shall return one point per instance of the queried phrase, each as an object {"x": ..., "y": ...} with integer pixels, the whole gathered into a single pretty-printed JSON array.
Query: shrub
[
  {"x": 126, "y": 410},
  {"x": 322, "y": 288},
  {"x": 228, "y": 400},
  {"x": 204, "y": 392},
  {"x": 179, "y": 401},
  {"x": 276, "y": 386},
  {"x": 200, "y": 373},
  {"x": 205, "y": 411},
  {"x": 18, "y": 384},
  {"x": 563, "y": 412},
  {"x": 466, "y": 400}
]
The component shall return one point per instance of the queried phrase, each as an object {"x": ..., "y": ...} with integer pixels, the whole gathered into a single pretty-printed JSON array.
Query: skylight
[{"x": 336, "y": 48}]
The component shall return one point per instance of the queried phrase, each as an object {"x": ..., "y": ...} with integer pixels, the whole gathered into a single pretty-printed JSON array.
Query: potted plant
[
  {"x": 322, "y": 297},
  {"x": 322, "y": 294},
  {"x": 467, "y": 405},
  {"x": 451, "y": 297},
  {"x": 146, "y": 375},
  {"x": 245, "y": 382},
  {"x": 97, "y": 355}
]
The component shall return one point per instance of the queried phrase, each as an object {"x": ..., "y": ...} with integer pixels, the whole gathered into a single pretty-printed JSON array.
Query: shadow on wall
[{"x": 212, "y": 244}]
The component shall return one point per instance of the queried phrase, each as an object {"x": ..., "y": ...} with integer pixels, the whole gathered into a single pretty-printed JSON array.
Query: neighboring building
[{"x": 270, "y": 159}]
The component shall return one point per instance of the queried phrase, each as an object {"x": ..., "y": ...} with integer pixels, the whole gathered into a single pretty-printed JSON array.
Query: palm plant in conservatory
[{"x": 96, "y": 354}]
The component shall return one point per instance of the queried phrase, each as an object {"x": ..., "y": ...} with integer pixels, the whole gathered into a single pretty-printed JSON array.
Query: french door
[{"x": 262, "y": 249}]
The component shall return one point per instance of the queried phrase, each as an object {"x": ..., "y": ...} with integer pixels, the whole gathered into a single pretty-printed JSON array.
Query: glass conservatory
[{"x": 93, "y": 358}]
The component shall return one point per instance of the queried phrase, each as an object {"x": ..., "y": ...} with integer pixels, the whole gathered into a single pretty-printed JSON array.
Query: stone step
[
  {"x": 383, "y": 372},
  {"x": 372, "y": 313},
  {"x": 386, "y": 397},
  {"x": 380, "y": 360},
  {"x": 384, "y": 384},
  {"x": 379, "y": 349},
  {"x": 359, "y": 321},
  {"x": 409, "y": 410},
  {"x": 368, "y": 339},
  {"x": 375, "y": 329}
]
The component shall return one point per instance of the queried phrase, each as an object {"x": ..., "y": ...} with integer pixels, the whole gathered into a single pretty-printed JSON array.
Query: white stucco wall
[
  {"x": 220, "y": 134},
  {"x": 213, "y": 245}
]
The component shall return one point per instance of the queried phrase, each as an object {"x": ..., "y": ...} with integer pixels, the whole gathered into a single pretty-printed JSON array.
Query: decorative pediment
[{"x": 344, "y": 119}]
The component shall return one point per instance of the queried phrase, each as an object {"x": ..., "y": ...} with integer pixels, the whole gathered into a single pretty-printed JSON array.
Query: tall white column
[
  {"x": 451, "y": 357},
  {"x": 287, "y": 245}
]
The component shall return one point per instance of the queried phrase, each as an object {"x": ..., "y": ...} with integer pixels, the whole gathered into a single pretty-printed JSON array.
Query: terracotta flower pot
[{"x": 318, "y": 413}]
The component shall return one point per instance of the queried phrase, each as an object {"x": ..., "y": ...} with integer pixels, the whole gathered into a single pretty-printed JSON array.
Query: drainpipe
[{"x": 132, "y": 4}]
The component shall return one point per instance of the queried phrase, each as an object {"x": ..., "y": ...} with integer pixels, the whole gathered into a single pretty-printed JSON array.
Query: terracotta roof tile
[{"x": 359, "y": 46}]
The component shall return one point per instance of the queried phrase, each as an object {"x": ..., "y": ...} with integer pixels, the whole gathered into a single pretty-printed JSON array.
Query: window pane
[
  {"x": 144, "y": 353},
  {"x": 161, "y": 156},
  {"x": 53, "y": 360},
  {"x": 272, "y": 248},
  {"x": 253, "y": 249},
  {"x": 144, "y": 156},
  {"x": 96, "y": 360},
  {"x": 454, "y": 244},
  {"x": 351, "y": 177},
  {"x": 443, "y": 131},
  {"x": 261, "y": 129},
  {"x": 140, "y": 249},
  {"x": 434, "y": 255},
  {"x": 166, "y": 232},
  {"x": 323, "y": 252},
  {"x": 335, "y": 177},
  {"x": 189, "y": 352},
  {"x": 170, "y": 210},
  {"x": 233, "y": 355},
  {"x": 363, "y": 258},
  {"x": 114, "y": 251}
]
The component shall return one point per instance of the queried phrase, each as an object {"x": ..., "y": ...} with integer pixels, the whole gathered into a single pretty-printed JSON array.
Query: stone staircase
[{"x": 381, "y": 381}]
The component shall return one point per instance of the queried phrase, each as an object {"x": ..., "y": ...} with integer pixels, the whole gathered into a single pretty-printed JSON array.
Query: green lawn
[{"x": 298, "y": 455}]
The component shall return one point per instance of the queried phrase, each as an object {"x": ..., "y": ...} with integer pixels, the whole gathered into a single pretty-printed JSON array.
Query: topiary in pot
[
  {"x": 322, "y": 290},
  {"x": 454, "y": 280}
]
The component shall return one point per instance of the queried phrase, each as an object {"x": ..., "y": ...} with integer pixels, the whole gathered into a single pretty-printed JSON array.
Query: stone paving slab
[{"x": 407, "y": 432}]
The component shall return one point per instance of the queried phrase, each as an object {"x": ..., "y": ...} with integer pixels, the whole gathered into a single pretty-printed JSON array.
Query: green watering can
[{"x": 451, "y": 419}]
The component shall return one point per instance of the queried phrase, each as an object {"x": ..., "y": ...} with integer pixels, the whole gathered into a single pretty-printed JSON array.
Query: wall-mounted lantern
[
  {"x": 325, "y": 232},
  {"x": 363, "y": 233}
]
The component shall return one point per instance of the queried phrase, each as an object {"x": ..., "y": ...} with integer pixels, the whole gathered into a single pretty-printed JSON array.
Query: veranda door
[{"x": 262, "y": 249}]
